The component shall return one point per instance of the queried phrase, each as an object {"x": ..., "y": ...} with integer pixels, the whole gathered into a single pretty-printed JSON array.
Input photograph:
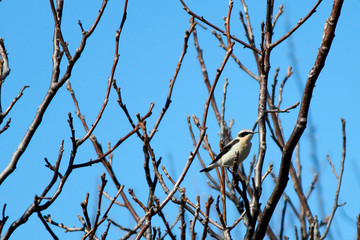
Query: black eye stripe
[{"x": 243, "y": 134}]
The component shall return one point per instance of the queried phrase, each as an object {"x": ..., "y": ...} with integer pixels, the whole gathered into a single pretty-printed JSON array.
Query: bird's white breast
[{"x": 241, "y": 149}]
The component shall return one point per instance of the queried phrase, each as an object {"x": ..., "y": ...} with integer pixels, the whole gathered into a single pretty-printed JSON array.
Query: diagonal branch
[
  {"x": 217, "y": 28},
  {"x": 172, "y": 81},
  {"x": 329, "y": 33},
  {"x": 55, "y": 85},
  {"x": 302, "y": 20}
]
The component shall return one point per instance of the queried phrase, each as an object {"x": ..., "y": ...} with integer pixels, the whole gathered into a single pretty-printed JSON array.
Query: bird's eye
[{"x": 243, "y": 134}]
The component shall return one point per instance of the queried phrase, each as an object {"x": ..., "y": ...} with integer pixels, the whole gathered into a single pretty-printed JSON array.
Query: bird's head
[{"x": 246, "y": 134}]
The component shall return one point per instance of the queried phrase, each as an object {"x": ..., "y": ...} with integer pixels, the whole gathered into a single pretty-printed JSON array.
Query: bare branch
[
  {"x": 55, "y": 85},
  {"x": 247, "y": 27},
  {"x": 329, "y": 31},
  {"x": 282, "y": 220},
  {"x": 202, "y": 133},
  {"x": 313, "y": 10},
  {"x": 268, "y": 171},
  {"x": 273, "y": 87},
  {"x": 207, "y": 207},
  {"x": 131, "y": 192},
  {"x": 3, "y": 115},
  {"x": 60, "y": 225},
  {"x": 6, "y": 126},
  {"x": 288, "y": 74},
  {"x": 45, "y": 223},
  {"x": 4, "y": 62},
  {"x": 205, "y": 73},
  {"x": 216, "y": 28},
  {"x": 57, "y": 20},
  {"x": 172, "y": 81},
  {"x": 192, "y": 224},
  {"x": 281, "y": 10},
  {"x": 332, "y": 166},
  {"x": 168, "y": 228},
  {"x": 242, "y": 66},
  {"x": 339, "y": 180},
  {"x": 312, "y": 185},
  {"x": 3, "y": 218},
  {"x": 286, "y": 110}
]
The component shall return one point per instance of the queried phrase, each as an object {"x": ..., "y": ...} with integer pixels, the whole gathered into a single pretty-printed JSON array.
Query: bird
[{"x": 239, "y": 146}]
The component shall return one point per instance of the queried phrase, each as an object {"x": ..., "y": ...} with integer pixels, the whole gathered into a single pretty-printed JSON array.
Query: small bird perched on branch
[{"x": 239, "y": 146}]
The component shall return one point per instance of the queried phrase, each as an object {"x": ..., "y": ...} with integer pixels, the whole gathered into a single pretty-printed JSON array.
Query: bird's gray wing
[{"x": 226, "y": 149}]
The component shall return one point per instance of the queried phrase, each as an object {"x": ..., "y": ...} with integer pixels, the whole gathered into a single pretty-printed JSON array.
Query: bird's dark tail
[{"x": 205, "y": 169}]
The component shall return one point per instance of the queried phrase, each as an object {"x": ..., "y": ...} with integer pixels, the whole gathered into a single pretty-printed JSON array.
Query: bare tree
[{"x": 240, "y": 186}]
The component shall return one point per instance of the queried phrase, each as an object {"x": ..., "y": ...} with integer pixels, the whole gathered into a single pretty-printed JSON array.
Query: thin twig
[
  {"x": 3, "y": 115},
  {"x": 283, "y": 213},
  {"x": 56, "y": 84},
  {"x": 273, "y": 87},
  {"x": 242, "y": 66},
  {"x": 168, "y": 228},
  {"x": 60, "y": 225},
  {"x": 3, "y": 218},
  {"x": 216, "y": 28},
  {"x": 282, "y": 85},
  {"x": 286, "y": 110},
  {"x": 131, "y": 192},
  {"x": 280, "y": 11},
  {"x": 98, "y": 211},
  {"x": 332, "y": 166},
  {"x": 192, "y": 224},
  {"x": 339, "y": 180},
  {"x": 4, "y": 70},
  {"x": 84, "y": 205},
  {"x": 312, "y": 185},
  {"x": 6, "y": 126},
  {"x": 204, "y": 72},
  {"x": 302, "y": 20},
  {"x": 207, "y": 207},
  {"x": 268, "y": 171},
  {"x": 172, "y": 81},
  {"x": 45, "y": 224}
]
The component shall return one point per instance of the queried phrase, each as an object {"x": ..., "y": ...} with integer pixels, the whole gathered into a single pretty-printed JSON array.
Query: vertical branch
[
  {"x": 263, "y": 94},
  {"x": 101, "y": 190},
  {"x": 192, "y": 225},
  {"x": 207, "y": 206},
  {"x": 4, "y": 62},
  {"x": 182, "y": 215},
  {"x": 4, "y": 71},
  {"x": 249, "y": 33},
  {"x": 223, "y": 196}
]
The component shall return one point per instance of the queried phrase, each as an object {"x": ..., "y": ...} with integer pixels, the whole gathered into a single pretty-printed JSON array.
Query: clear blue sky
[{"x": 150, "y": 47}]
